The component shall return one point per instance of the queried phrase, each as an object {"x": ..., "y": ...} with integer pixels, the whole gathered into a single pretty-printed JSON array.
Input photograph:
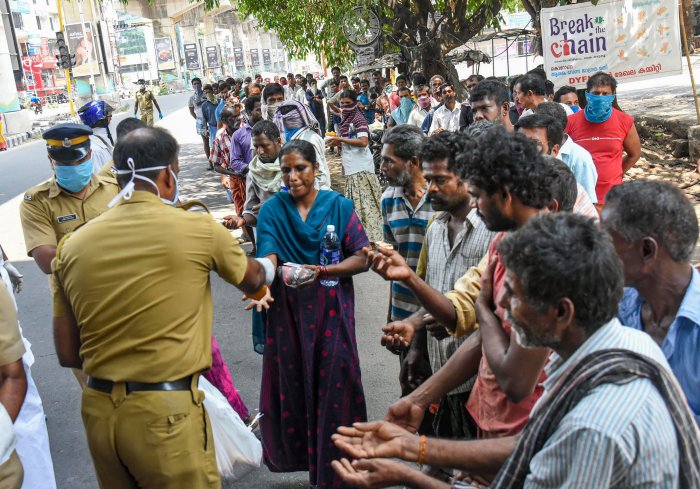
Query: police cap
[{"x": 68, "y": 142}]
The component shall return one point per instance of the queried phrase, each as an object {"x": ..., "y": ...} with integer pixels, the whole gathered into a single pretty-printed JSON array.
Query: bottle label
[{"x": 330, "y": 257}]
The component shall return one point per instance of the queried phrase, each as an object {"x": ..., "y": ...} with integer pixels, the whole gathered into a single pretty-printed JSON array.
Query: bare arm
[
  {"x": 254, "y": 277},
  {"x": 43, "y": 255},
  {"x": 155, "y": 102},
  {"x": 461, "y": 366},
  {"x": 633, "y": 149},
  {"x": 352, "y": 265},
  {"x": 194, "y": 116},
  {"x": 136, "y": 106},
  {"x": 357, "y": 142},
  {"x": 442, "y": 309},
  {"x": 13, "y": 387},
  {"x": 516, "y": 368},
  {"x": 66, "y": 338}
]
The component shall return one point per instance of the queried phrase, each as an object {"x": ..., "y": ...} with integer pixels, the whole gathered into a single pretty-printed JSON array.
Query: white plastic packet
[{"x": 238, "y": 451}]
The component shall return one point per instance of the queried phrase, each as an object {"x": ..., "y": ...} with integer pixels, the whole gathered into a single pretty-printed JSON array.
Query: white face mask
[
  {"x": 271, "y": 110},
  {"x": 128, "y": 189}
]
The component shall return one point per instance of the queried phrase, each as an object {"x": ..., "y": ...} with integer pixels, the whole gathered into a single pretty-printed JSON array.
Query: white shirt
[
  {"x": 101, "y": 149},
  {"x": 357, "y": 159},
  {"x": 446, "y": 119},
  {"x": 581, "y": 163},
  {"x": 567, "y": 109},
  {"x": 417, "y": 116}
]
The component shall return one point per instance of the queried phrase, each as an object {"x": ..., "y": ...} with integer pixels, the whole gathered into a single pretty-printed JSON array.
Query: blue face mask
[
  {"x": 74, "y": 178},
  {"x": 599, "y": 107},
  {"x": 289, "y": 133}
]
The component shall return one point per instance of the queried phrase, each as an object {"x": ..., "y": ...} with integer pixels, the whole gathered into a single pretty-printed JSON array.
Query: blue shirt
[
  {"x": 682, "y": 343},
  {"x": 581, "y": 163},
  {"x": 618, "y": 435},
  {"x": 364, "y": 100},
  {"x": 208, "y": 113},
  {"x": 218, "y": 110}
]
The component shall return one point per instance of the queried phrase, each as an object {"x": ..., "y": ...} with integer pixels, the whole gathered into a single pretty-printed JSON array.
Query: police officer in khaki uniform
[
  {"x": 145, "y": 100},
  {"x": 71, "y": 198},
  {"x": 13, "y": 388},
  {"x": 133, "y": 308}
]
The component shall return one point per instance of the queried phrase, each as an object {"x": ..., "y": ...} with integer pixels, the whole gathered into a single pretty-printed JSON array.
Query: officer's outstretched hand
[{"x": 263, "y": 303}]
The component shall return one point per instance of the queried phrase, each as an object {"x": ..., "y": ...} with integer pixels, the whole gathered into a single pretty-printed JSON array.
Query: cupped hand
[
  {"x": 378, "y": 439},
  {"x": 397, "y": 336},
  {"x": 370, "y": 474},
  {"x": 406, "y": 413}
]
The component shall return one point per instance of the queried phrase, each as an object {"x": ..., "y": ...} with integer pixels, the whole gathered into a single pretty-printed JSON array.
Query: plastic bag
[{"x": 238, "y": 451}]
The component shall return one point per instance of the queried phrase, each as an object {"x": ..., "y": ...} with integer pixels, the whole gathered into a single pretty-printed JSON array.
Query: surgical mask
[
  {"x": 211, "y": 98},
  {"x": 74, "y": 178},
  {"x": 272, "y": 110},
  {"x": 599, "y": 107},
  {"x": 128, "y": 189},
  {"x": 424, "y": 102}
]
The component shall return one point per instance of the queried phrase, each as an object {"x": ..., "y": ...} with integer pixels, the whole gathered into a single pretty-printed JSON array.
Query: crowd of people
[{"x": 544, "y": 313}]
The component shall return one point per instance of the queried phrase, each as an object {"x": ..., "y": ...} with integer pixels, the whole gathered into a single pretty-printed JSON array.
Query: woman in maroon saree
[{"x": 311, "y": 380}]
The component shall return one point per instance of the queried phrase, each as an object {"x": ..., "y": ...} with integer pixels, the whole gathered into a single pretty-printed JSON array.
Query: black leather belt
[{"x": 106, "y": 385}]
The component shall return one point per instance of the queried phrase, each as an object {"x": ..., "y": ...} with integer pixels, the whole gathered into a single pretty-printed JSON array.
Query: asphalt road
[{"x": 25, "y": 166}]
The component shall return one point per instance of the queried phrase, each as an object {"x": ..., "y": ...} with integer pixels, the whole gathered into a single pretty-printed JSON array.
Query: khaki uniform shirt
[
  {"x": 137, "y": 281},
  {"x": 48, "y": 212},
  {"x": 11, "y": 345},
  {"x": 145, "y": 100}
]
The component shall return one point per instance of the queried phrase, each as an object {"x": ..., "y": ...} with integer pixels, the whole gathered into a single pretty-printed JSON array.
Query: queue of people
[{"x": 543, "y": 313}]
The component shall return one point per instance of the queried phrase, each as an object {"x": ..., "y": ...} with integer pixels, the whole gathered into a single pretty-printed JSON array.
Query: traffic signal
[{"x": 64, "y": 58}]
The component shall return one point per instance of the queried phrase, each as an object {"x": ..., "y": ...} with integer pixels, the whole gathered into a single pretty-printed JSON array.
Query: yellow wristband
[{"x": 259, "y": 294}]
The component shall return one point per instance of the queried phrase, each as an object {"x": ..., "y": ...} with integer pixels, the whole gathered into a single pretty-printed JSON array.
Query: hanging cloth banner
[{"x": 630, "y": 39}]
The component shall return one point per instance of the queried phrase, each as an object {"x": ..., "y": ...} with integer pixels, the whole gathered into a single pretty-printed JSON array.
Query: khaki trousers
[
  {"x": 151, "y": 439},
  {"x": 147, "y": 118},
  {"x": 11, "y": 473}
]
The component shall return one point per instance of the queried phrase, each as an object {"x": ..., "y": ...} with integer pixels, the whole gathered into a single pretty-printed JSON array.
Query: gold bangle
[
  {"x": 422, "y": 449},
  {"x": 259, "y": 294}
]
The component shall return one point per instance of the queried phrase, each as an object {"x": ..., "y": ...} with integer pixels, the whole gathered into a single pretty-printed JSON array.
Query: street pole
[
  {"x": 89, "y": 51},
  {"x": 69, "y": 82}
]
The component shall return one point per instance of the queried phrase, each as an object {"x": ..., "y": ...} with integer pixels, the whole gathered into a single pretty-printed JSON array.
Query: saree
[{"x": 311, "y": 381}]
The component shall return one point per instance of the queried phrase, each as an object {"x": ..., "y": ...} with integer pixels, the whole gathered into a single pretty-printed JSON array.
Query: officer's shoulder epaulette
[
  {"x": 33, "y": 192},
  {"x": 194, "y": 203}
]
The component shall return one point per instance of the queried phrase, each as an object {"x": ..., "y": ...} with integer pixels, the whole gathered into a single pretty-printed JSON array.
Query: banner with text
[{"x": 630, "y": 39}]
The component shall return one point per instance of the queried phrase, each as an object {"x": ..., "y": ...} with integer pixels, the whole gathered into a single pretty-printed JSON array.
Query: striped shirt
[
  {"x": 404, "y": 227},
  {"x": 618, "y": 436},
  {"x": 444, "y": 266}
]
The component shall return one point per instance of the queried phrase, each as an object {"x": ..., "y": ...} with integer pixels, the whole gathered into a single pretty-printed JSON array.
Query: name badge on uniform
[
  {"x": 28, "y": 197},
  {"x": 67, "y": 218}
]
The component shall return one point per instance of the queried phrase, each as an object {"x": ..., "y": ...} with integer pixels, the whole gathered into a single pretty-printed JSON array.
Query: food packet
[{"x": 294, "y": 275}]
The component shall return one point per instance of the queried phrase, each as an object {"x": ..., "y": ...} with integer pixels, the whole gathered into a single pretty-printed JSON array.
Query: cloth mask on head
[
  {"x": 599, "y": 107},
  {"x": 128, "y": 189},
  {"x": 74, "y": 178}
]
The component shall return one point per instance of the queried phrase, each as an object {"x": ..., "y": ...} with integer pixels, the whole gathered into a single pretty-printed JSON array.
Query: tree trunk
[
  {"x": 686, "y": 10},
  {"x": 430, "y": 60}
]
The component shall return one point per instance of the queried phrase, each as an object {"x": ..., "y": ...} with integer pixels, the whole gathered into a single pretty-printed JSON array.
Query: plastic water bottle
[{"x": 330, "y": 254}]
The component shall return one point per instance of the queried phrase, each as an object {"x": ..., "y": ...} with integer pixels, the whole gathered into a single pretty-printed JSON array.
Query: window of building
[
  {"x": 17, "y": 20},
  {"x": 524, "y": 47},
  {"x": 38, "y": 22}
]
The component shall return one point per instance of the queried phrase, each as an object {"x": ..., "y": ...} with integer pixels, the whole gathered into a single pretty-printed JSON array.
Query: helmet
[{"x": 95, "y": 111}]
